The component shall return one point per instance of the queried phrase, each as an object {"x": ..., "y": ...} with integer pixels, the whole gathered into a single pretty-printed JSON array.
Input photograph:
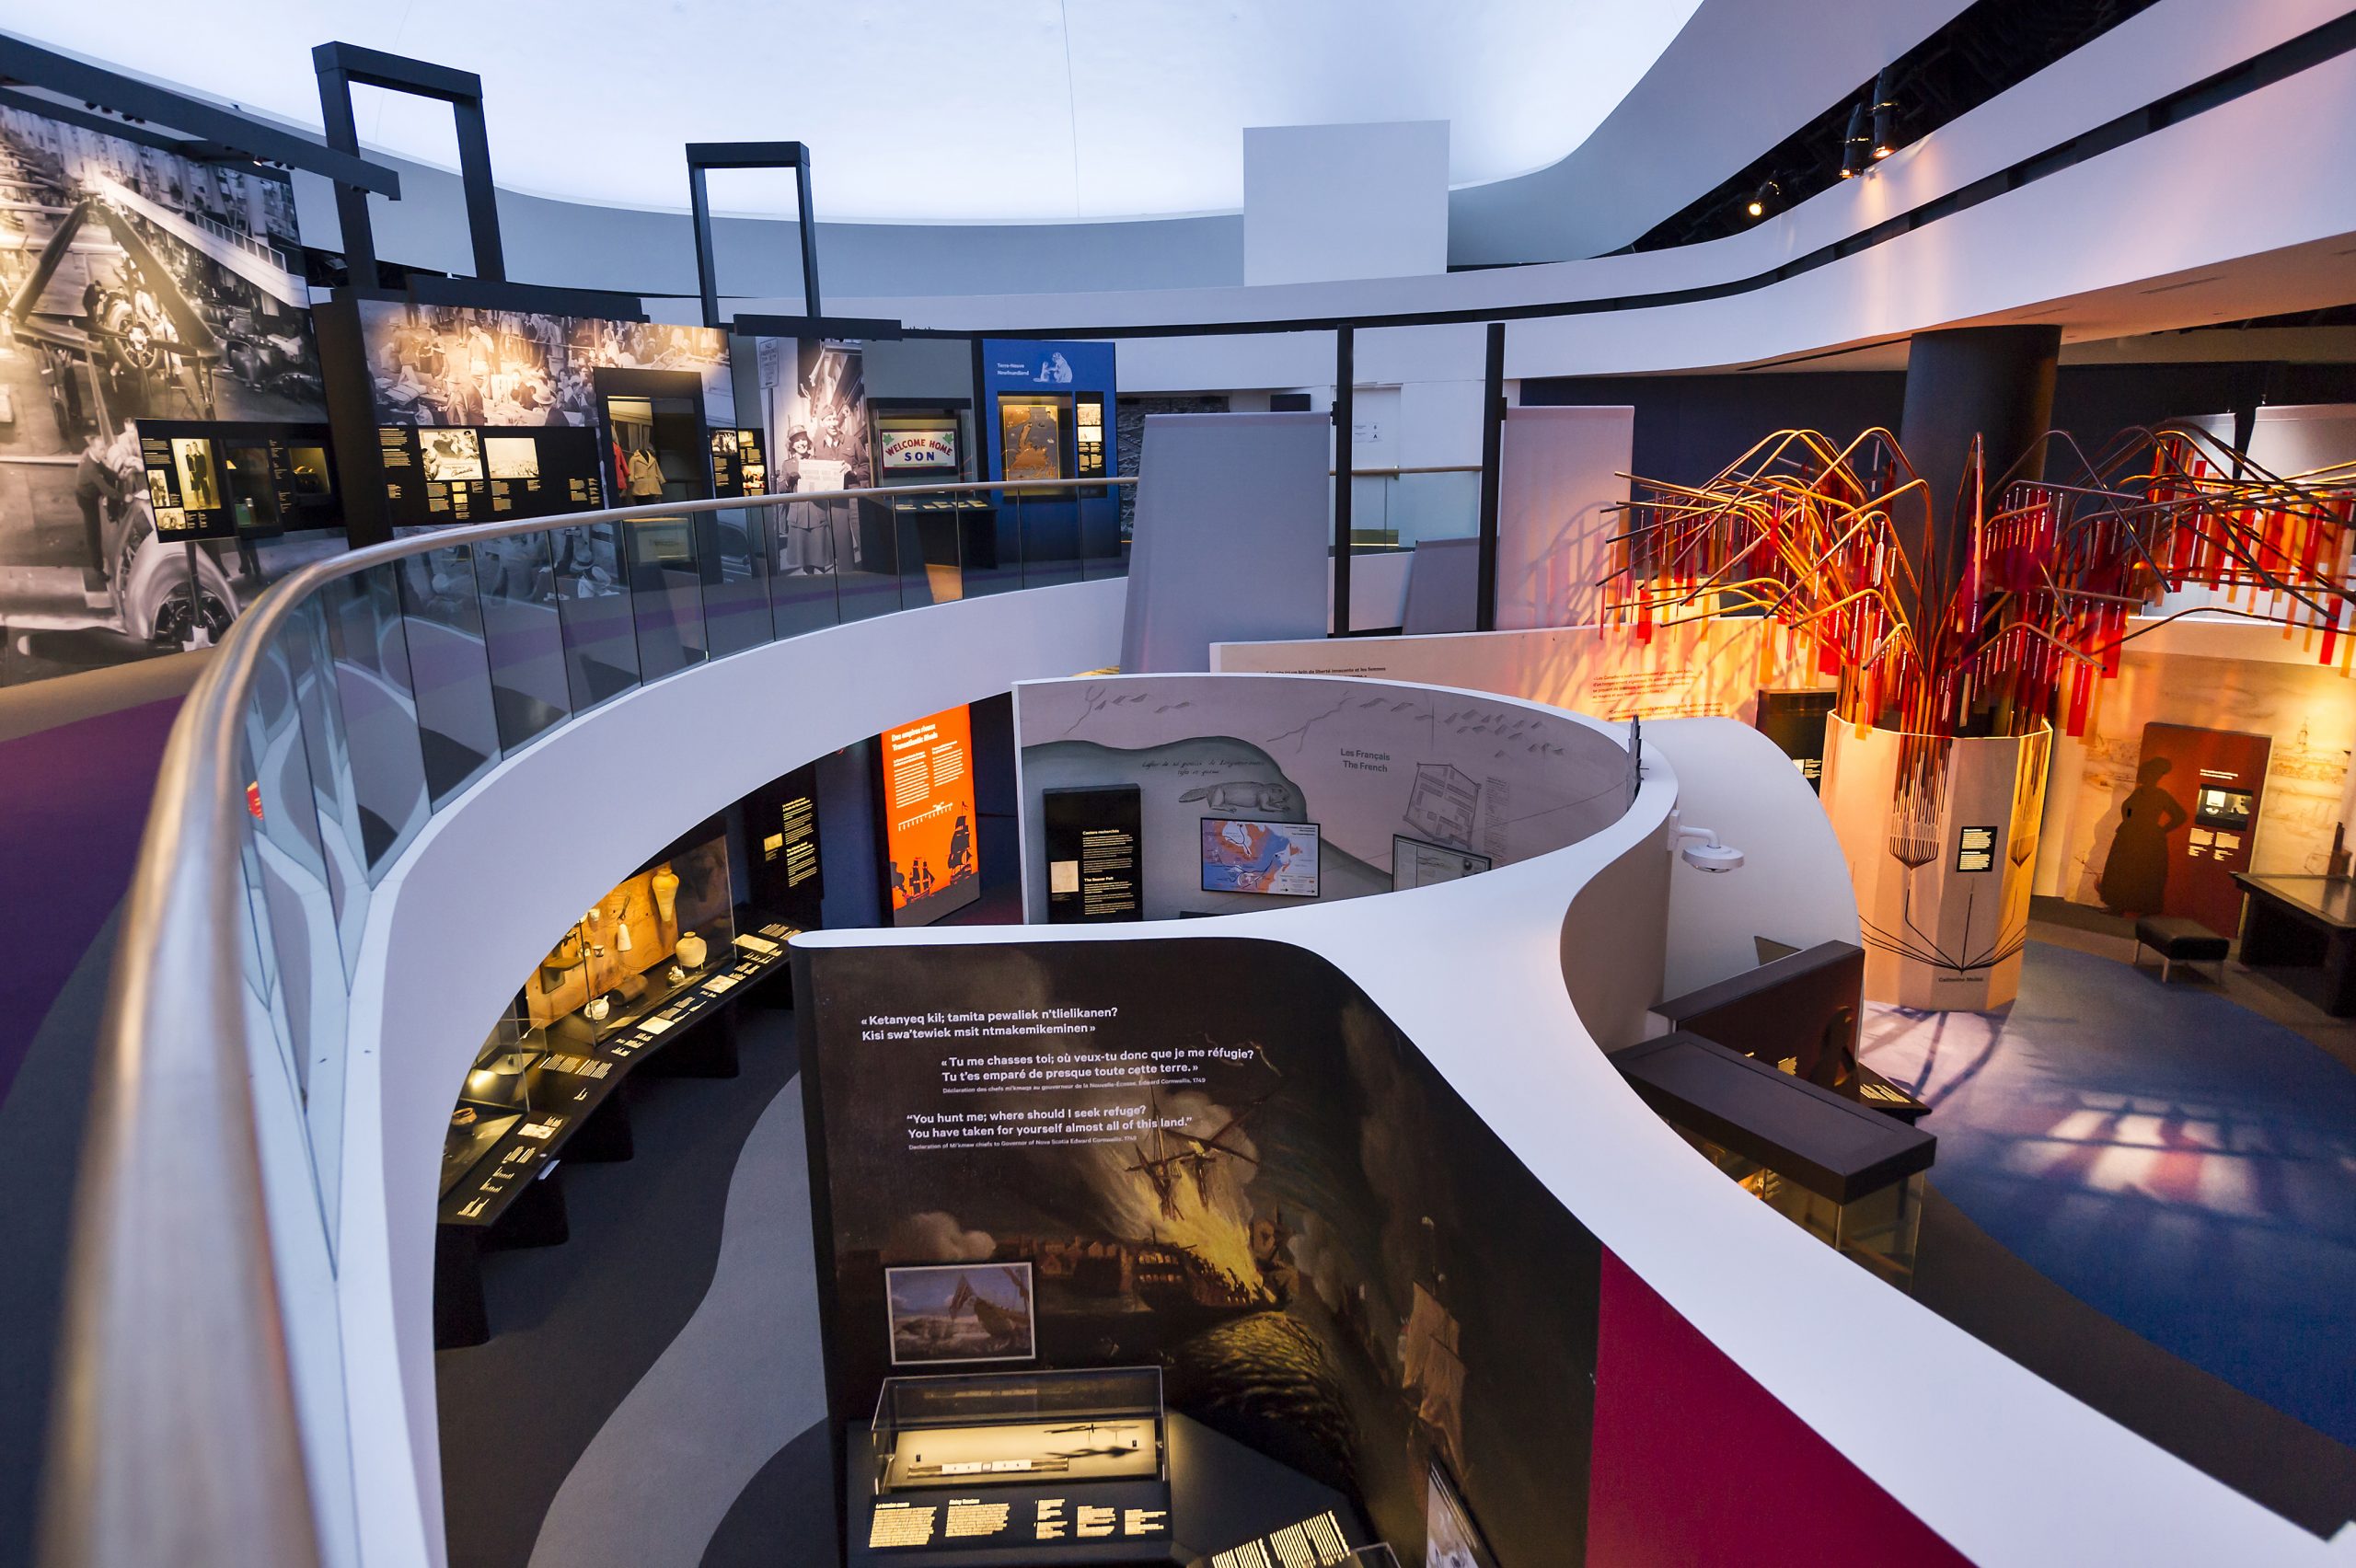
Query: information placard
[
  {"x": 1093, "y": 836},
  {"x": 932, "y": 860}
]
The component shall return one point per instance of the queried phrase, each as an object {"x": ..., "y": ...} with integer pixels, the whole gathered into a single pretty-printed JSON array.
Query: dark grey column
[{"x": 1993, "y": 382}]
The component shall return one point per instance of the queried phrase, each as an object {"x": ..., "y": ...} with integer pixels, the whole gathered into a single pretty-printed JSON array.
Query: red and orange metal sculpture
[
  {"x": 1824, "y": 541},
  {"x": 1976, "y": 640}
]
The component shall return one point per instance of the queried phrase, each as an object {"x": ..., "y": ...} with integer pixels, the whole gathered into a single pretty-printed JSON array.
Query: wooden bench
[{"x": 2178, "y": 939}]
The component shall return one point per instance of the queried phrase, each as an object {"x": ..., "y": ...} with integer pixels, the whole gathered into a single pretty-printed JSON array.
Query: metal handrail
[{"x": 174, "y": 1436}]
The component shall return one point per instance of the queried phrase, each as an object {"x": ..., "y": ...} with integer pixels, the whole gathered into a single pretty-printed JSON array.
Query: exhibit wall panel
[
  {"x": 474, "y": 902},
  {"x": 1231, "y": 534},
  {"x": 1561, "y": 471},
  {"x": 145, "y": 293},
  {"x": 1361, "y": 763},
  {"x": 1217, "y": 1157}
]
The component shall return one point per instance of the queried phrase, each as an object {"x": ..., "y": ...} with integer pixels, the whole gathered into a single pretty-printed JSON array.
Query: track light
[
  {"x": 1856, "y": 148},
  {"x": 1763, "y": 198},
  {"x": 1885, "y": 118}
]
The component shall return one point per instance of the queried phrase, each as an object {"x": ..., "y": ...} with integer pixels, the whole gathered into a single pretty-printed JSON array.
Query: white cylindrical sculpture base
[{"x": 1942, "y": 887}]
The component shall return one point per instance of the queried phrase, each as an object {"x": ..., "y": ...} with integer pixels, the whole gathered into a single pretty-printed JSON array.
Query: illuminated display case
[
  {"x": 649, "y": 939},
  {"x": 1072, "y": 1466},
  {"x": 1034, "y": 434}
]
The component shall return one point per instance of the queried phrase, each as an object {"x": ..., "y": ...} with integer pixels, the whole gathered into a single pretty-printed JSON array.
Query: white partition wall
[
  {"x": 1368, "y": 764},
  {"x": 469, "y": 906},
  {"x": 1560, "y": 471},
  {"x": 1231, "y": 541}
]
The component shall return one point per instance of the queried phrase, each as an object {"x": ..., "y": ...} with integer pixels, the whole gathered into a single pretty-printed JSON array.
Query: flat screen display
[
  {"x": 512, "y": 457},
  {"x": 933, "y": 856},
  {"x": 1277, "y": 858},
  {"x": 2224, "y": 808}
]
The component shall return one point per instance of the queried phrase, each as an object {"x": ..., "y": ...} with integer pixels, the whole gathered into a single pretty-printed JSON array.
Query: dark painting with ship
[{"x": 1216, "y": 1157}]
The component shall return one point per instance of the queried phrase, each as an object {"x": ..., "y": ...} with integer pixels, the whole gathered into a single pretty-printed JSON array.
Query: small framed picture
[{"x": 940, "y": 1313}]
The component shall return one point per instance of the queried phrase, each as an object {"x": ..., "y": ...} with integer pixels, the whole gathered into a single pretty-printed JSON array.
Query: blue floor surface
[{"x": 2167, "y": 1156}]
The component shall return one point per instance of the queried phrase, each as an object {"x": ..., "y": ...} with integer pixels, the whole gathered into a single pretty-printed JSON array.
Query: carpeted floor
[
  {"x": 586, "y": 1358},
  {"x": 2166, "y": 1155}
]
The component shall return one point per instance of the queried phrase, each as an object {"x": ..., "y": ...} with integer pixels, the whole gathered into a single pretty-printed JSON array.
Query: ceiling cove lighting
[{"x": 1057, "y": 110}]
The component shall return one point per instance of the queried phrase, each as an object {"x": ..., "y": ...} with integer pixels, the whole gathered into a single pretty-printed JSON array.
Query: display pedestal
[{"x": 1943, "y": 877}]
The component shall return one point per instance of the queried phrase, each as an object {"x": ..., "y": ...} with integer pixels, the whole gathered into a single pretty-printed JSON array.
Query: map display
[{"x": 1274, "y": 857}]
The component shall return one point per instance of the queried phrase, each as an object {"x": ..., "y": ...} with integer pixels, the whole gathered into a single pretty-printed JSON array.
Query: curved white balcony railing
[
  {"x": 249, "y": 1381},
  {"x": 202, "y": 1407}
]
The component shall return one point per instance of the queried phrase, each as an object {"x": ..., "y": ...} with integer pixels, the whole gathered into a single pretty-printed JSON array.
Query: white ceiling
[{"x": 920, "y": 110}]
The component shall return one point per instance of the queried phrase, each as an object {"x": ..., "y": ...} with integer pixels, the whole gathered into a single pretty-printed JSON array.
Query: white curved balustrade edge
[
  {"x": 1481, "y": 975},
  {"x": 475, "y": 901}
]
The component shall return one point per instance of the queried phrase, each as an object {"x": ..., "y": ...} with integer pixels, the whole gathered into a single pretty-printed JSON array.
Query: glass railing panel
[
  {"x": 731, "y": 562},
  {"x": 369, "y": 645},
  {"x": 1103, "y": 551},
  {"x": 991, "y": 541},
  {"x": 1370, "y": 510},
  {"x": 457, "y": 723},
  {"x": 931, "y": 564},
  {"x": 1445, "y": 504},
  {"x": 666, "y": 593},
  {"x": 592, "y": 600},
  {"x": 296, "y": 868},
  {"x": 802, "y": 587},
  {"x": 516, "y": 578},
  {"x": 334, "y": 797},
  {"x": 868, "y": 558},
  {"x": 1050, "y": 524}
]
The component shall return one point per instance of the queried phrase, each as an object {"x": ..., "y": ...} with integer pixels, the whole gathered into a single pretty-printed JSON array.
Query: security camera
[{"x": 1708, "y": 854}]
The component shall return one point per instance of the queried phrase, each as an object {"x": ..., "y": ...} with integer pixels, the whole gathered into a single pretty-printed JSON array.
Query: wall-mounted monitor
[
  {"x": 2217, "y": 807},
  {"x": 1277, "y": 858}
]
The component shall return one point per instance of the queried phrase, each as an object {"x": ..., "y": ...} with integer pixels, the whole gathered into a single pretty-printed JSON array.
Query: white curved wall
[
  {"x": 472, "y": 903},
  {"x": 2003, "y": 1465}
]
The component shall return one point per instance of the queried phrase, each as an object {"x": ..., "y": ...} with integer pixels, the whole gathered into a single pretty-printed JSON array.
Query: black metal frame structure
[
  {"x": 1344, "y": 432},
  {"x": 1493, "y": 433},
  {"x": 340, "y": 67},
  {"x": 703, "y": 156}
]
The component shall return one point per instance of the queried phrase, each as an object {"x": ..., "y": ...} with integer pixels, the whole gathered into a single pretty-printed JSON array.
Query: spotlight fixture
[
  {"x": 1885, "y": 118},
  {"x": 1856, "y": 148},
  {"x": 1762, "y": 197}
]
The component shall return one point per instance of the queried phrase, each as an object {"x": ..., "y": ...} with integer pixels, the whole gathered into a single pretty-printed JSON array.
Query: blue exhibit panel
[{"x": 1047, "y": 413}]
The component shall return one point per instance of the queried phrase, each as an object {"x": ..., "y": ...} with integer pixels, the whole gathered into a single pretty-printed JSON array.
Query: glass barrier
[
  {"x": 388, "y": 691},
  {"x": 1396, "y": 508}
]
